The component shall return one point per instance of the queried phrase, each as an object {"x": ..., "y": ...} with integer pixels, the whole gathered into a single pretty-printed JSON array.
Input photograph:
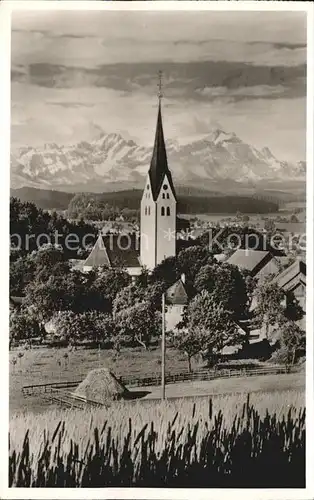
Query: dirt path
[{"x": 263, "y": 383}]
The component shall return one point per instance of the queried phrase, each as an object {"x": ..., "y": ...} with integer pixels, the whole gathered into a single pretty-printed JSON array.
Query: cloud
[
  {"x": 261, "y": 38},
  {"x": 70, "y": 104},
  {"x": 254, "y": 92},
  {"x": 264, "y": 26},
  {"x": 197, "y": 80},
  {"x": 76, "y": 73},
  {"x": 39, "y": 118},
  {"x": 93, "y": 50}
]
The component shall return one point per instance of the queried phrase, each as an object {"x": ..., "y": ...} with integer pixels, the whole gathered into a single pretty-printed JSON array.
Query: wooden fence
[{"x": 171, "y": 378}]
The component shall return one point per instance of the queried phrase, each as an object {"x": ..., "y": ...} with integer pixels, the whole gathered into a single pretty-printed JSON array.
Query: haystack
[{"x": 100, "y": 386}]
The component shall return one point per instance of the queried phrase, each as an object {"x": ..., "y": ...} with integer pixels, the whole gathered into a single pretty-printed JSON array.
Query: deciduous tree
[
  {"x": 213, "y": 326},
  {"x": 138, "y": 323},
  {"x": 270, "y": 308},
  {"x": 227, "y": 286},
  {"x": 23, "y": 326},
  {"x": 292, "y": 343},
  {"x": 191, "y": 260},
  {"x": 77, "y": 327}
]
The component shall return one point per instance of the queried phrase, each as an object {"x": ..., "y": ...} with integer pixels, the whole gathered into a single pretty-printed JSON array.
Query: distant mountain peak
[
  {"x": 267, "y": 153},
  {"x": 217, "y": 156},
  {"x": 219, "y": 135}
]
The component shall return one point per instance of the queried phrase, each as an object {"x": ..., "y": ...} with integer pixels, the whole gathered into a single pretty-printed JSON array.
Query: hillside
[
  {"x": 186, "y": 204},
  {"x": 189, "y": 201},
  {"x": 46, "y": 199}
]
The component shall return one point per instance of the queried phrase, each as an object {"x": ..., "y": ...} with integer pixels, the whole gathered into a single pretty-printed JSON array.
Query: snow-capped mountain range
[{"x": 218, "y": 156}]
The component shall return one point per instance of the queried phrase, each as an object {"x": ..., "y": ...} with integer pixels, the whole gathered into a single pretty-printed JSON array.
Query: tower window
[
  {"x": 163, "y": 195},
  {"x": 168, "y": 210},
  {"x": 148, "y": 210},
  {"x": 168, "y": 196},
  {"x": 162, "y": 210},
  {"x": 165, "y": 186},
  {"x": 147, "y": 187},
  {"x": 145, "y": 210}
]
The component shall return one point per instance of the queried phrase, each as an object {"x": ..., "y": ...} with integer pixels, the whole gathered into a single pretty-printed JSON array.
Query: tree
[
  {"x": 136, "y": 293},
  {"x": 227, "y": 285},
  {"x": 48, "y": 256},
  {"x": 191, "y": 260},
  {"x": 269, "y": 309},
  {"x": 292, "y": 343},
  {"x": 127, "y": 297},
  {"x": 46, "y": 298},
  {"x": 109, "y": 282},
  {"x": 213, "y": 326},
  {"x": 138, "y": 323},
  {"x": 40, "y": 265},
  {"x": 77, "y": 327},
  {"x": 293, "y": 311},
  {"x": 28, "y": 223},
  {"x": 165, "y": 272},
  {"x": 143, "y": 279},
  {"x": 153, "y": 294},
  {"x": 190, "y": 342},
  {"x": 23, "y": 325},
  {"x": 22, "y": 272}
]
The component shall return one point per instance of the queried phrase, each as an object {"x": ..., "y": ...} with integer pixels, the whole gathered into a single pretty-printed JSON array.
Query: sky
[{"x": 76, "y": 75}]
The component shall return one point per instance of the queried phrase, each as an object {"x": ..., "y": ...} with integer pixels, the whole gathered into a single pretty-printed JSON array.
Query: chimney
[{"x": 183, "y": 278}]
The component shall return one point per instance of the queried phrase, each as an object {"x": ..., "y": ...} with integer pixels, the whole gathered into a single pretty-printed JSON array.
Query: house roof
[
  {"x": 176, "y": 294},
  {"x": 98, "y": 256},
  {"x": 159, "y": 163},
  {"x": 251, "y": 260},
  {"x": 271, "y": 267},
  {"x": 123, "y": 250},
  {"x": 291, "y": 277},
  {"x": 115, "y": 250}
]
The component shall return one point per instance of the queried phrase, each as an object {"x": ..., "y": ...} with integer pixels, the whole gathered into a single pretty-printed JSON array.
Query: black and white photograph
[{"x": 158, "y": 320}]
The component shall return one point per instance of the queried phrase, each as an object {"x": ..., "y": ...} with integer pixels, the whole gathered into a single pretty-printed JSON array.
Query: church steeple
[
  {"x": 159, "y": 163},
  {"x": 158, "y": 204}
]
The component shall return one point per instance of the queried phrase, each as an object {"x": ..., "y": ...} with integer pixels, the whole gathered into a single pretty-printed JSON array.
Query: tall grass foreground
[{"x": 253, "y": 449}]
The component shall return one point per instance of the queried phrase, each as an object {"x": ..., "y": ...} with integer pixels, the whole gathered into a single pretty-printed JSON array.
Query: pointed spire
[{"x": 159, "y": 162}]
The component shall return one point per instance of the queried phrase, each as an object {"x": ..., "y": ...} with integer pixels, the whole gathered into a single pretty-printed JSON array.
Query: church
[{"x": 158, "y": 214}]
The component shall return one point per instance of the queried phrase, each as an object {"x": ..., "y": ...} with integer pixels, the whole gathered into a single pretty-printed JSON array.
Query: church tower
[{"x": 158, "y": 204}]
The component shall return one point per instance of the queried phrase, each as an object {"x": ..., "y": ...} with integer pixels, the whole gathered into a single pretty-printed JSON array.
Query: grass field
[
  {"x": 202, "y": 435},
  {"x": 202, "y": 442},
  {"x": 43, "y": 365},
  {"x": 39, "y": 366}
]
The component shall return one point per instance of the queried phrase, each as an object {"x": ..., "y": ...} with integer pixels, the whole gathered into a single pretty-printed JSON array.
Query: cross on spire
[
  {"x": 160, "y": 94},
  {"x": 159, "y": 164}
]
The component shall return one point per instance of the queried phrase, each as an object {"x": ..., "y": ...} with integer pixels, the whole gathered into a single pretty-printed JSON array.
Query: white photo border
[{"x": 6, "y": 9}]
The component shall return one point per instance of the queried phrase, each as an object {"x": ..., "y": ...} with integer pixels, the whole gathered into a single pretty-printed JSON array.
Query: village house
[
  {"x": 115, "y": 251},
  {"x": 177, "y": 299},
  {"x": 259, "y": 263}
]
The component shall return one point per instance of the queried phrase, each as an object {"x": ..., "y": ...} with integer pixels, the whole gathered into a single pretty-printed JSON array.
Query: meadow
[
  {"x": 47, "y": 365},
  {"x": 226, "y": 441}
]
